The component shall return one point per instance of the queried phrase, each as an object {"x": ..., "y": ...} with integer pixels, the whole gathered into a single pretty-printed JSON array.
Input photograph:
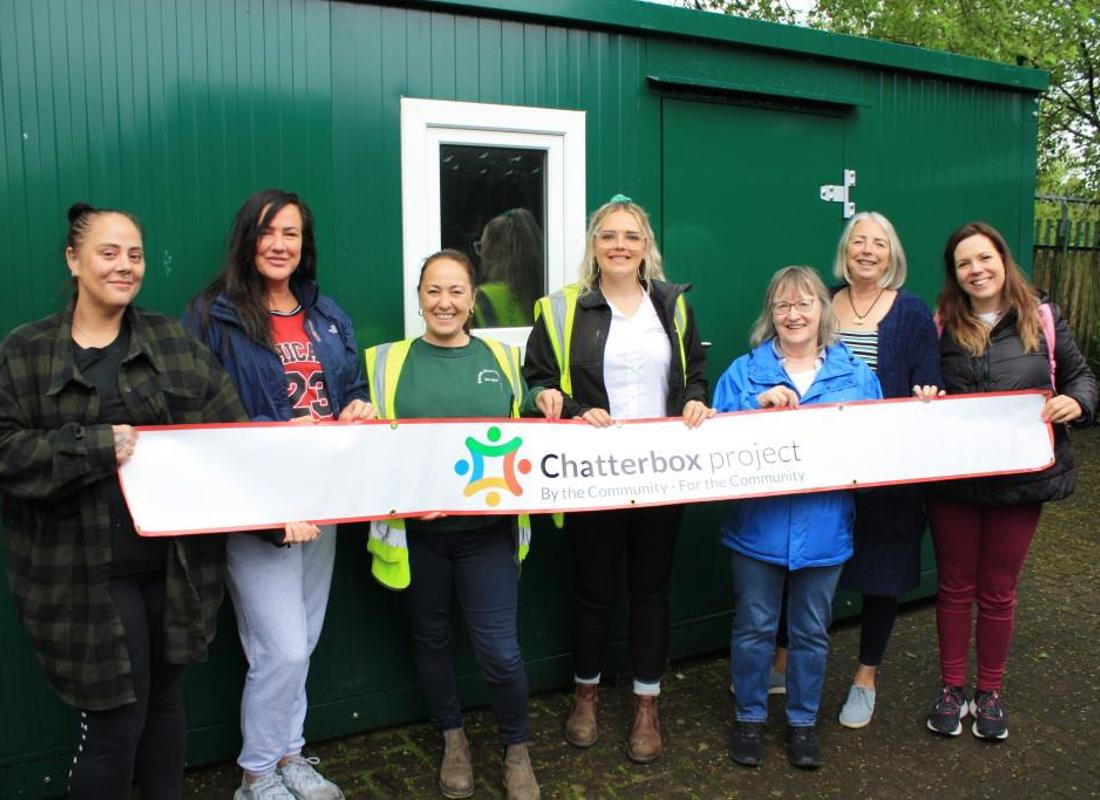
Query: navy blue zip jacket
[{"x": 257, "y": 371}]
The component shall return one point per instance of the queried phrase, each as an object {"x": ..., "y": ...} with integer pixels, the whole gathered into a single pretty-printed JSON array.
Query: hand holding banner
[{"x": 254, "y": 476}]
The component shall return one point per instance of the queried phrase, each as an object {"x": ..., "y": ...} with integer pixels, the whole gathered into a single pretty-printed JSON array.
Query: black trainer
[
  {"x": 802, "y": 749},
  {"x": 947, "y": 713},
  {"x": 747, "y": 743},
  {"x": 989, "y": 716}
]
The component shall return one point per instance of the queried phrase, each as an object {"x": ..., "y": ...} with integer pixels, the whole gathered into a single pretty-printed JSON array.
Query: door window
[{"x": 505, "y": 186}]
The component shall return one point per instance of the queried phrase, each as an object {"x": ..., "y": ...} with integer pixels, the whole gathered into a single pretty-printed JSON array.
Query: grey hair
[
  {"x": 803, "y": 279},
  {"x": 896, "y": 270},
  {"x": 651, "y": 257}
]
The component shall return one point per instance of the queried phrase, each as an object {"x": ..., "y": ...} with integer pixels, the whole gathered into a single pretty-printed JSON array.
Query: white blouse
[{"x": 636, "y": 361}]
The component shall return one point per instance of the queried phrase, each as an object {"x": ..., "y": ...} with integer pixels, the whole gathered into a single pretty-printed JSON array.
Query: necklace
[
  {"x": 859, "y": 320},
  {"x": 93, "y": 339}
]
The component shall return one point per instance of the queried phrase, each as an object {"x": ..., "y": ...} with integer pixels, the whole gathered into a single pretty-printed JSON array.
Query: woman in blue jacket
[
  {"x": 291, "y": 352},
  {"x": 801, "y": 539}
]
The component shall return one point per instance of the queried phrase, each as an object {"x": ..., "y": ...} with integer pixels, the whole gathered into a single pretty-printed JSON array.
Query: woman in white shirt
[{"x": 620, "y": 344}]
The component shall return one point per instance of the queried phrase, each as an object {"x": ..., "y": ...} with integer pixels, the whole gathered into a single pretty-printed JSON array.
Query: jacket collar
[
  {"x": 766, "y": 365},
  {"x": 62, "y": 365},
  {"x": 661, "y": 292},
  {"x": 307, "y": 293}
]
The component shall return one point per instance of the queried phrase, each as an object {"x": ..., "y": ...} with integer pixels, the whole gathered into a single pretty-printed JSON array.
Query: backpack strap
[{"x": 1046, "y": 322}]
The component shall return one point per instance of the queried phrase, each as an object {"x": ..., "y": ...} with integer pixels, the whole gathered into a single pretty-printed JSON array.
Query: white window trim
[{"x": 426, "y": 124}]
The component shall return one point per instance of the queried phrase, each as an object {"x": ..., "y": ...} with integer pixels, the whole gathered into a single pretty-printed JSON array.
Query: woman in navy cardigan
[{"x": 892, "y": 330}]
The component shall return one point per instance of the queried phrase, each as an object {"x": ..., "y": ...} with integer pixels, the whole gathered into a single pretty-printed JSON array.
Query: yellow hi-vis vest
[
  {"x": 558, "y": 311},
  {"x": 388, "y": 546}
]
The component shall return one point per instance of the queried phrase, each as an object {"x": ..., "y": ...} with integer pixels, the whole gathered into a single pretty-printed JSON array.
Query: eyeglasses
[
  {"x": 783, "y": 308},
  {"x": 631, "y": 240}
]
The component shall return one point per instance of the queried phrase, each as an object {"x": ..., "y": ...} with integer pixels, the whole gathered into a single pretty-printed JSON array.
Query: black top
[{"x": 100, "y": 367}]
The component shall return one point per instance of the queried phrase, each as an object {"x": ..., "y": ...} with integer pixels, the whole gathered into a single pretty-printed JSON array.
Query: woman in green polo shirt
[{"x": 436, "y": 558}]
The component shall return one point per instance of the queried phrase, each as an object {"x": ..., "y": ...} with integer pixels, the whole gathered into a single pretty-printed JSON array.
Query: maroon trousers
[{"x": 980, "y": 553}]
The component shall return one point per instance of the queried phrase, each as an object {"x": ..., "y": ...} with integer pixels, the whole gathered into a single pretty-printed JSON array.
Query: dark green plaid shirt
[{"x": 57, "y": 528}]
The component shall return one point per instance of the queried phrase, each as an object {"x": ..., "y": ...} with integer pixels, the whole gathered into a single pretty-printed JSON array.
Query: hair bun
[{"x": 78, "y": 210}]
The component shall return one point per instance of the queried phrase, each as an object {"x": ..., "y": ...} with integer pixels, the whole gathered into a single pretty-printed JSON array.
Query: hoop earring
[{"x": 419, "y": 312}]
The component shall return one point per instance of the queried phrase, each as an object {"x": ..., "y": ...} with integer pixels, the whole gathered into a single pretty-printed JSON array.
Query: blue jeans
[
  {"x": 479, "y": 568},
  {"x": 757, "y": 597}
]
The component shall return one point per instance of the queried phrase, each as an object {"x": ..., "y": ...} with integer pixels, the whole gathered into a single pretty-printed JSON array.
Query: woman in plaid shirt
[{"x": 112, "y": 617}]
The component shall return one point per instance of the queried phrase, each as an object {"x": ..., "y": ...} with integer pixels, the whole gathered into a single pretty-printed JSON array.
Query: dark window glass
[{"x": 494, "y": 209}]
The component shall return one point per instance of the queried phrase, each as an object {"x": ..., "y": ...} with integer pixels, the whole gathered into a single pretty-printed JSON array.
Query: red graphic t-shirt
[{"x": 305, "y": 385}]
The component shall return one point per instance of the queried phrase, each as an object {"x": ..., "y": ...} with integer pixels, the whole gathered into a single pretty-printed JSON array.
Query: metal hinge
[{"x": 839, "y": 194}]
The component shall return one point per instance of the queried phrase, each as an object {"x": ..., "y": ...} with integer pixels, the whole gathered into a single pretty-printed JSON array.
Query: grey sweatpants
[{"x": 279, "y": 596}]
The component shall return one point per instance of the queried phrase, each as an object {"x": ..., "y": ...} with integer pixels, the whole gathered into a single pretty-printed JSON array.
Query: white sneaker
[
  {"x": 306, "y": 783},
  {"x": 265, "y": 787}
]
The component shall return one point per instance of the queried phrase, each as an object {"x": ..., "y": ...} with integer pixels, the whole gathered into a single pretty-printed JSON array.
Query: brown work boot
[
  {"x": 645, "y": 734},
  {"x": 519, "y": 778},
  {"x": 456, "y": 775},
  {"x": 580, "y": 728}
]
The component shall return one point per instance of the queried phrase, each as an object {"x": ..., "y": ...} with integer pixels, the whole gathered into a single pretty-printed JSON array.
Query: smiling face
[
  {"x": 108, "y": 263},
  {"x": 980, "y": 271},
  {"x": 279, "y": 246},
  {"x": 620, "y": 245},
  {"x": 867, "y": 256},
  {"x": 796, "y": 314},
  {"x": 446, "y": 296}
]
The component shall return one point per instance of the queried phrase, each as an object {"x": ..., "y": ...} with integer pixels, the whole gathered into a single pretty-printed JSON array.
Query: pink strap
[{"x": 1046, "y": 322}]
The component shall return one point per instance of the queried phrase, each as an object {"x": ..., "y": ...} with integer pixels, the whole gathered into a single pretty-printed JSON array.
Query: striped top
[{"x": 863, "y": 343}]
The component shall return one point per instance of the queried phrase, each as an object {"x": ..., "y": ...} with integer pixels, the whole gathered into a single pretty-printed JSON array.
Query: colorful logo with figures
[{"x": 475, "y": 466}]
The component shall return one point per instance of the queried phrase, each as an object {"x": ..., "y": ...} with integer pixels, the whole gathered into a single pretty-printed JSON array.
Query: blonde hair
[
  {"x": 803, "y": 279},
  {"x": 896, "y": 270},
  {"x": 651, "y": 257}
]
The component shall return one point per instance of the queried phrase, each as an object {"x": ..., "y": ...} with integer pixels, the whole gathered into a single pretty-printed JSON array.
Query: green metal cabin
[{"x": 734, "y": 134}]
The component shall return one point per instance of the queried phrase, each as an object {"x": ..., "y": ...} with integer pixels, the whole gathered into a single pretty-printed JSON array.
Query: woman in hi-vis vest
[
  {"x": 621, "y": 344},
  {"x": 437, "y": 558}
]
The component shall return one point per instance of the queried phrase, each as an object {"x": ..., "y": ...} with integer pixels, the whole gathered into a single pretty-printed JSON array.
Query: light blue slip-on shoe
[
  {"x": 777, "y": 682},
  {"x": 858, "y": 708}
]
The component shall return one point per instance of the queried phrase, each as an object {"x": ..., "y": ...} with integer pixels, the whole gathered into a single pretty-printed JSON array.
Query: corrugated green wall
[{"x": 177, "y": 109}]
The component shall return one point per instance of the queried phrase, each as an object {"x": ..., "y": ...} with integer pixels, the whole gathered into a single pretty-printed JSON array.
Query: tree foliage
[{"x": 1060, "y": 36}]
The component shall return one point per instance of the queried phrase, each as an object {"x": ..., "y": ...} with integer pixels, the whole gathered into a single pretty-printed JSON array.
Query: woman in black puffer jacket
[{"x": 995, "y": 338}]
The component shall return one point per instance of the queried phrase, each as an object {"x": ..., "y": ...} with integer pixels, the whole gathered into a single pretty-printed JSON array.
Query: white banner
[{"x": 191, "y": 479}]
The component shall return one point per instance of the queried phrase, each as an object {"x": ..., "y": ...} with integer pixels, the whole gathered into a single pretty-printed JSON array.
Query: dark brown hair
[
  {"x": 512, "y": 252},
  {"x": 243, "y": 286},
  {"x": 81, "y": 216}
]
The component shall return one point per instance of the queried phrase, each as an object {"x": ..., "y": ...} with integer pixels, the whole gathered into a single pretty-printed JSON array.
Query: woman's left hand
[
  {"x": 549, "y": 402},
  {"x": 695, "y": 412},
  {"x": 927, "y": 393},
  {"x": 358, "y": 410},
  {"x": 300, "y": 532},
  {"x": 1060, "y": 408}
]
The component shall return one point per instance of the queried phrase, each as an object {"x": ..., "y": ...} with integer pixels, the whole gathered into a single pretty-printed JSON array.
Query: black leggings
[
  {"x": 141, "y": 742},
  {"x": 601, "y": 541},
  {"x": 875, "y": 627}
]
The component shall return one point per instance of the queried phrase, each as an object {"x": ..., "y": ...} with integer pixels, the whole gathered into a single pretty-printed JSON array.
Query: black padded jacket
[{"x": 1004, "y": 366}]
